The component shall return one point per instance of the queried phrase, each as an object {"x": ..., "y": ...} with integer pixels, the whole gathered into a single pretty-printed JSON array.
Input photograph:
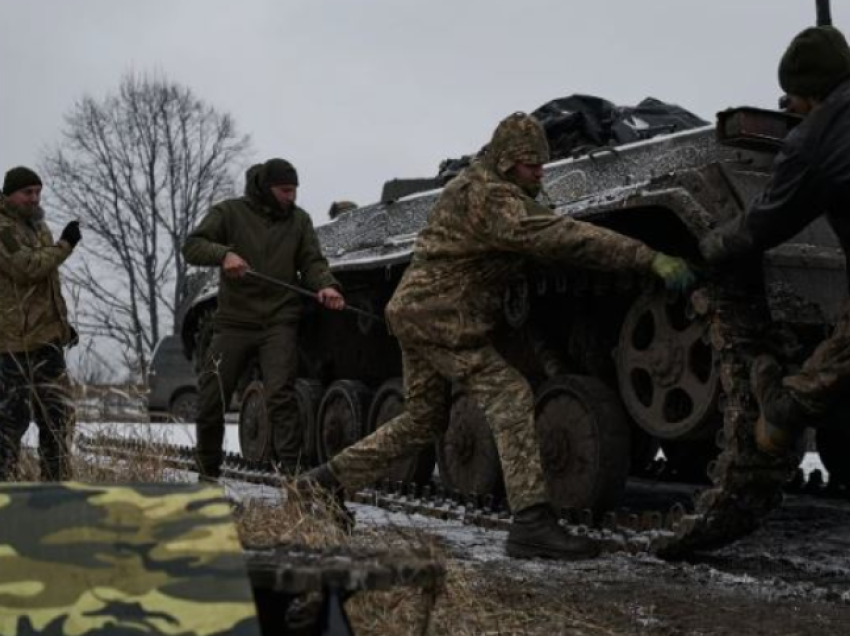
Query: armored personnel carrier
[{"x": 619, "y": 367}]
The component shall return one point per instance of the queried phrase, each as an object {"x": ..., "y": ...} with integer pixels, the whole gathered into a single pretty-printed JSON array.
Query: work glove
[
  {"x": 674, "y": 271},
  {"x": 71, "y": 234}
]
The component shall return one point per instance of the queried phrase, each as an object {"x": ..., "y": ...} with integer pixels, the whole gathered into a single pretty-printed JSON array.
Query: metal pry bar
[{"x": 310, "y": 294}]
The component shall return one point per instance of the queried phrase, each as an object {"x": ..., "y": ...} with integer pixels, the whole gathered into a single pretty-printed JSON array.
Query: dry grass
[{"x": 471, "y": 601}]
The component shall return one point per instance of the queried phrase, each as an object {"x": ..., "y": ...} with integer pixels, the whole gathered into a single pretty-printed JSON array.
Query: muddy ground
[{"x": 791, "y": 577}]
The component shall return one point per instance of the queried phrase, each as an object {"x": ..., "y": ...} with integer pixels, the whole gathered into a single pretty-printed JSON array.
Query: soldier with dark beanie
[
  {"x": 264, "y": 231},
  {"x": 34, "y": 329},
  {"x": 811, "y": 179}
]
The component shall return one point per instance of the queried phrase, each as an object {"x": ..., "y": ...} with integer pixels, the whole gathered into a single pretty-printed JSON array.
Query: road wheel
[
  {"x": 668, "y": 372},
  {"x": 467, "y": 455},
  {"x": 387, "y": 404},
  {"x": 585, "y": 442},
  {"x": 309, "y": 395},
  {"x": 255, "y": 434},
  {"x": 342, "y": 416},
  {"x": 184, "y": 407}
]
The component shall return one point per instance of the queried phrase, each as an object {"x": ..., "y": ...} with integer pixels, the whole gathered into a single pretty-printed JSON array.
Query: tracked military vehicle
[{"x": 619, "y": 367}]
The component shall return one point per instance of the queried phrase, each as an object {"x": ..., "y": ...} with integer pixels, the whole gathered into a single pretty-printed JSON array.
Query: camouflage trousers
[
  {"x": 228, "y": 357},
  {"x": 823, "y": 382},
  {"x": 35, "y": 385},
  {"x": 499, "y": 390}
]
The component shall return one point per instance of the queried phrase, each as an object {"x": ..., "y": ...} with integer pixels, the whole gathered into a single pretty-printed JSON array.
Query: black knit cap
[
  {"x": 817, "y": 61},
  {"x": 18, "y": 179},
  {"x": 279, "y": 172}
]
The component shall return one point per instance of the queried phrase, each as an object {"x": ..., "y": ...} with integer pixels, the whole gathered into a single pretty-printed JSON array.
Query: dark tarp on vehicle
[{"x": 577, "y": 124}]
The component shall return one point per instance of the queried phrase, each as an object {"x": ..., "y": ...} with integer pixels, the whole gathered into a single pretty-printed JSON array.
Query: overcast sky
[{"x": 355, "y": 92}]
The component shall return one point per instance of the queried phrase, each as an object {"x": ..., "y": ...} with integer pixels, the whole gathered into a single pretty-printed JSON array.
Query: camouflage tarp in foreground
[{"x": 81, "y": 559}]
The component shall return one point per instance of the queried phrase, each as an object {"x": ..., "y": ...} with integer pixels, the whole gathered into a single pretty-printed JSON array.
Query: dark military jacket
[
  {"x": 811, "y": 178},
  {"x": 477, "y": 238},
  {"x": 32, "y": 310},
  {"x": 274, "y": 243}
]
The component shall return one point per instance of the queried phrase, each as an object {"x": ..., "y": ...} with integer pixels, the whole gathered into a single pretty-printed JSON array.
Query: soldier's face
[
  {"x": 27, "y": 198},
  {"x": 800, "y": 105},
  {"x": 285, "y": 195},
  {"x": 528, "y": 176}
]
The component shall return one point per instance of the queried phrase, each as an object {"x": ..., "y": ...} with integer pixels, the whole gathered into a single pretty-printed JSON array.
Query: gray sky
[{"x": 355, "y": 92}]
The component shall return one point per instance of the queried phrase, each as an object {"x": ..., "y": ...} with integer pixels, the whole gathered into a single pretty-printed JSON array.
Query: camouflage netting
[{"x": 131, "y": 559}]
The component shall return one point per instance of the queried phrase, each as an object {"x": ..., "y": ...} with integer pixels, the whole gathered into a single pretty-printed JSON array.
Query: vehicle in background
[{"x": 172, "y": 385}]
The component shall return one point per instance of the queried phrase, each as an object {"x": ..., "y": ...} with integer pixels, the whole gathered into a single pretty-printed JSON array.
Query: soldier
[
  {"x": 811, "y": 178},
  {"x": 264, "y": 231},
  {"x": 34, "y": 329},
  {"x": 447, "y": 304}
]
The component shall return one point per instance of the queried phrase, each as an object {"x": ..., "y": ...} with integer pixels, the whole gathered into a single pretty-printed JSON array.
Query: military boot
[
  {"x": 535, "y": 533},
  {"x": 782, "y": 419},
  {"x": 322, "y": 479}
]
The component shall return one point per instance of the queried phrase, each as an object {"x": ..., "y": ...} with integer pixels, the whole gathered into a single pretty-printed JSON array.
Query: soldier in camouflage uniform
[
  {"x": 33, "y": 328},
  {"x": 449, "y": 301},
  {"x": 264, "y": 231},
  {"x": 811, "y": 179}
]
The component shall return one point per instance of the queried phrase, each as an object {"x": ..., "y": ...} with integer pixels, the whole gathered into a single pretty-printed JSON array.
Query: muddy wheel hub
[
  {"x": 584, "y": 442},
  {"x": 667, "y": 370},
  {"x": 255, "y": 435},
  {"x": 342, "y": 416}
]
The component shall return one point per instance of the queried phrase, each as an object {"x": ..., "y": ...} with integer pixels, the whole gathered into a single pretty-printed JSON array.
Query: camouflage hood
[{"x": 518, "y": 138}]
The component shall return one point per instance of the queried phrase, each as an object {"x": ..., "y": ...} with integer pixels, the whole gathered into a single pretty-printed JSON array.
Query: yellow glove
[{"x": 677, "y": 275}]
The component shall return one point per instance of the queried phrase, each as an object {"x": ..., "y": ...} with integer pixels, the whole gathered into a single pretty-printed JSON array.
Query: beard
[
  {"x": 31, "y": 212},
  {"x": 532, "y": 189}
]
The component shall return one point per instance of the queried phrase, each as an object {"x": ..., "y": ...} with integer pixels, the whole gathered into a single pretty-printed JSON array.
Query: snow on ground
[{"x": 184, "y": 435}]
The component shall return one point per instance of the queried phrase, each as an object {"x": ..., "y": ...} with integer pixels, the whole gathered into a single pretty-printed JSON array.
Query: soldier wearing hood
[
  {"x": 485, "y": 224},
  {"x": 811, "y": 179},
  {"x": 266, "y": 232},
  {"x": 34, "y": 328}
]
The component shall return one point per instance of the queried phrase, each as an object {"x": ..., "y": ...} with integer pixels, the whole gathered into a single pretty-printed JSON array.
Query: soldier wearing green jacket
[
  {"x": 34, "y": 328},
  {"x": 266, "y": 232},
  {"x": 484, "y": 226}
]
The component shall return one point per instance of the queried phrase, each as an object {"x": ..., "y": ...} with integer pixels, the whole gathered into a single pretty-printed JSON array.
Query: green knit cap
[
  {"x": 817, "y": 60},
  {"x": 18, "y": 179}
]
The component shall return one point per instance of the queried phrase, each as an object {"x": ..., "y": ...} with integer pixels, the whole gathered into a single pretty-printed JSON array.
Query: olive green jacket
[
  {"x": 277, "y": 244},
  {"x": 32, "y": 310}
]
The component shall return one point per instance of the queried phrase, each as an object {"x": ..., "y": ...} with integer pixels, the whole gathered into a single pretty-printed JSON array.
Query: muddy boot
[
  {"x": 535, "y": 533},
  {"x": 322, "y": 479},
  {"x": 780, "y": 425}
]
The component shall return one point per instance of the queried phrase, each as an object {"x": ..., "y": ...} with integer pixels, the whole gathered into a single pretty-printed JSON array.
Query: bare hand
[
  {"x": 331, "y": 298},
  {"x": 234, "y": 266}
]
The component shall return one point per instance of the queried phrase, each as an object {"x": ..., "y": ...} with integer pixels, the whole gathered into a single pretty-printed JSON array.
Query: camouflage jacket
[
  {"x": 32, "y": 310},
  {"x": 477, "y": 239},
  {"x": 280, "y": 245}
]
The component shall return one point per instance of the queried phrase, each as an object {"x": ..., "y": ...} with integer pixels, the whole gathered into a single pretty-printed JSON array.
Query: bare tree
[{"x": 138, "y": 169}]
